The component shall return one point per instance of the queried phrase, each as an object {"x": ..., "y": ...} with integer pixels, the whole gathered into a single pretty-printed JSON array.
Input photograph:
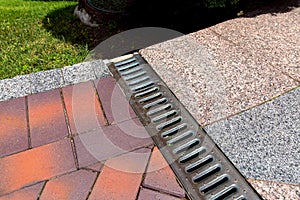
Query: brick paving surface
[
  {"x": 60, "y": 146},
  {"x": 83, "y": 107},
  {"x": 158, "y": 168},
  {"x": 13, "y": 127},
  {"x": 46, "y": 118},
  {"x": 27, "y": 193},
  {"x": 114, "y": 103},
  {"x": 73, "y": 186}
]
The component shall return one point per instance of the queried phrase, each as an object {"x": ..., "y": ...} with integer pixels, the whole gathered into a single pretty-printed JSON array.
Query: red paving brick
[
  {"x": 83, "y": 107},
  {"x": 46, "y": 118},
  {"x": 146, "y": 194},
  {"x": 128, "y": 135},
  {"x": 13, "y": 127},
  {"x": 28, "y": 193},
  {"x": 109, "y": 141},
  {"x": 73, "y": 186},
  {"x": 118, "y": 180},
  {"x": 115, "y": 105},
  {"x": 161, "y": 177},
  {"x": 35, "y": 165},
  {"x": 85, "y": 158}
]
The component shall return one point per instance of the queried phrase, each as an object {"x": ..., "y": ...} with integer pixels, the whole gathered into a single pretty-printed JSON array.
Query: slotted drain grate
[{"x": 200, "y": 166}]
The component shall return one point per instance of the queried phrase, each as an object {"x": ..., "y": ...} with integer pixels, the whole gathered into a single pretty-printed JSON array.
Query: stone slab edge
[{"x": 25, "y": 85}]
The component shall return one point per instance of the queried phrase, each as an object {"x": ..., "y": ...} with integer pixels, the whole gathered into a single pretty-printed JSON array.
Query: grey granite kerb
[{"x": 20, "y": 86}]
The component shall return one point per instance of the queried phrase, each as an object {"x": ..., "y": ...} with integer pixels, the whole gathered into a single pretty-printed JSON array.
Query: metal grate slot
[
  {"x": 131, "y": 71},
  {"x": 169, "y": 123},
  {"x": 199, "y": 164},
  {"x": 194, "y": 154},
  {"x": 164, "y": 116},
  {"x": 138, "y": 80},
  {"x": 144, "y": 93},
  {"x": 129, "y": 66},
  {"x": 225, "y": 193},
  {"x": 149, "y": 98},
  {"x": 187, "y": 146},
  {"x": 180, "y": 138},
  {"x": 174, "y": 130},
  {"x": 207, "y": 173},
  {"x": 142, "y": 86},
  {"x": 155, "y": 103},
  {"x": 214, "y": 183},
  {"x": 160, "y": 109},
  {"x": 241, "y": 198},
  {"x": 134, "y": 76},
  {"x": 117, "y": 64}
]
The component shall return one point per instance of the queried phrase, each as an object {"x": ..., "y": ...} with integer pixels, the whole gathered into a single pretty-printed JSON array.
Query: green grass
[{"x": 26, "y": 45}]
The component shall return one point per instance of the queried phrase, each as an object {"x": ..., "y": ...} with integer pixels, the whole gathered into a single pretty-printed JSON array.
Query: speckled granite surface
[
  {"x": 268, "y": 39},
  {"x": 42, "y": 81},
  {"x": 264, "y": 142},
  {"x": 215, "y": 78},
  {"x": 274, "y": 190}
]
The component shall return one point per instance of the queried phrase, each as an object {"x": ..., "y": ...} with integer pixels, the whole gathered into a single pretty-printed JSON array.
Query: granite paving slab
[
  {"x": 274, "y": 190},
  {"x": 264, "y": 142},
  {"x": 215, "y": 79},
  {"x": 268, "y": 38}
]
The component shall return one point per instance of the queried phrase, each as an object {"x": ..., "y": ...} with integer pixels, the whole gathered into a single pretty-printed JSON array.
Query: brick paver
[
  {"x": 35, "y": 165},
  {"x": 109, "y": 141},
  {"x": 46, "y": 118},
  {"x": 13, "y": 127},
  {"x": 154, "y": 195},
  {"x": 85, "y": 158},
  {"x": 115, "y": 105},
  {"x": 75, "y": 186},
  {"x": 161, "y": 177},
  {"x": 121, "y": 177},
  {"x": 83, "y": 107},
  {"x": 28, "y": 193},
  {"x": 130, "y": 131}
]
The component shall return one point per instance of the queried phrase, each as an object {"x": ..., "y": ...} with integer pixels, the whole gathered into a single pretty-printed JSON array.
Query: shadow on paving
[
  {"x": 259, "y": 7},
  {"x": 182, "y": 16}
]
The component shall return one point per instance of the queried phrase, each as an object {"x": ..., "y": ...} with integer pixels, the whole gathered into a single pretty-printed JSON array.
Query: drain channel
[{"x": 200, "y": 166}]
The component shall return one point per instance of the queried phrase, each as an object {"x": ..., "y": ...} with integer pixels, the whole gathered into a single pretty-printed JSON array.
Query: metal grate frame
[{"x": 199, "y": 164}]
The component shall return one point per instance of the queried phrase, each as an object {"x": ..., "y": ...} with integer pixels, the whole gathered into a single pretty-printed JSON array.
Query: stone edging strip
[{"x": 24, "y": 85}]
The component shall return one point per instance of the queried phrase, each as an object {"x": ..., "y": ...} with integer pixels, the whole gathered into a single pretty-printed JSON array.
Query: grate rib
[
  {"x": 214, "y": 183},
  {"x": 180, "y": 138},
  {"x": 225, "y": 193}
]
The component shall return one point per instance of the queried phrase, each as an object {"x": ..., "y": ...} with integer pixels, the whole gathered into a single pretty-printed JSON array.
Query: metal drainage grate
[{"x": 202, "y": 169}]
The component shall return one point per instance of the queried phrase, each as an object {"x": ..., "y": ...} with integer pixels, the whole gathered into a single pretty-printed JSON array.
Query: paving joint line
[
  {"x": 252, "y": 107},
  {"x": 93, "y": 185},
  {"x": 42, "y": 190},
  {"x": 28, "y": 123},
  {"x": 101, "y": 106},
  {"x": 72, "y": 143}
]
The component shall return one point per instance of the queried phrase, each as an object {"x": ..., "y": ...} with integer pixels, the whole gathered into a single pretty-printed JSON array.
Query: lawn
[
  {"x": 26, "y": 45},
  {"x": 37, "y": 35}
]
